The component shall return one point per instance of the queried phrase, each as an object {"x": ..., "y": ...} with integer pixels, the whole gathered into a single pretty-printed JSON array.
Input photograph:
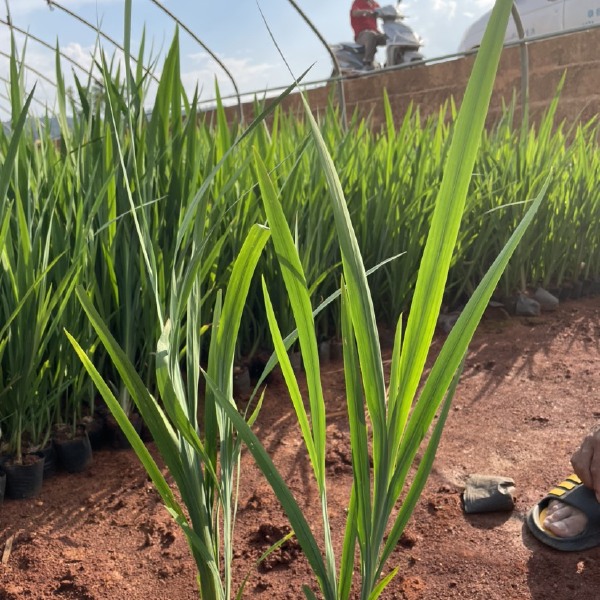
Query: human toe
[
  {"x": 554, "y": 506},
  {"x": 565, "y": 521}
]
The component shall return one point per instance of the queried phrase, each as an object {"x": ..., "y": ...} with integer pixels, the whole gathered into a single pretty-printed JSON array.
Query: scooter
[{"x": 402, "y": 46}]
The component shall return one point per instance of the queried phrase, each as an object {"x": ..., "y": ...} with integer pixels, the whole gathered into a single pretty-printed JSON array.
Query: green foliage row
[
  {"x": 207, "y": 479},
  {"x": 74, "y": 209},
  {"x": 144, "y": 251}
]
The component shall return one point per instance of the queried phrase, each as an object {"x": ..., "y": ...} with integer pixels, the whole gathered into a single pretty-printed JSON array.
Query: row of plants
[
  {"x": 67, "y": 220},
  {"x": 392, "y": 416},
  {"x": 127, "y": 231}
]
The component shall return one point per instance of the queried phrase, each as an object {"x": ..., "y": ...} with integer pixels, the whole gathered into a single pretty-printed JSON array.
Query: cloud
[
  {"x": 40, "y": 69},
  {"x": 26, "y": 7},
  {"x": 242, "y": 67},
  {"x": 446, "y": 7},
  {"x": 79, "y": 54},
  {"x": 248, "y": 76}
]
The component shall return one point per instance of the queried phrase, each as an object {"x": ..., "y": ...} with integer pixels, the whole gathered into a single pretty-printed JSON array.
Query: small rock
[
  {"x": 496, "y": 311},
  {"x": 547, "y": 300},
  {"x": 488, "y": 493},
  {"x": 446, "y": 321},
  {"x": 527, "y": 307},
  {"x": 407, "y": 540}
]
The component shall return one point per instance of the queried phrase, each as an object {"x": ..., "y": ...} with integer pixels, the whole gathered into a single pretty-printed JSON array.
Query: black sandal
[{"x": 574, "y": 493}]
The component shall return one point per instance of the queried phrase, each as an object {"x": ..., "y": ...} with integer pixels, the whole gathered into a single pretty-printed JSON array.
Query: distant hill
[{"x": 35, "y": 124}]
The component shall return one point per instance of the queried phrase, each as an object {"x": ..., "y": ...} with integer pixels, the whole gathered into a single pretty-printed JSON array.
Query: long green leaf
[
  {"x": 283, "y": 493},
  {"x": 421, "y": 475},
  {"x": 7, "y": 166},
  {"x": 449, "y": 209},
  {"x": 454, "y": 348},
  {"x": 157, "y": 422},
  {"x": 125, "y": 424},
  {"x": 295, "y": 282}
]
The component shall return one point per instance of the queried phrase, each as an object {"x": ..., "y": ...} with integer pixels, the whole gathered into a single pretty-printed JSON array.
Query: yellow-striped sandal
[{"x": 574, "y": 493}]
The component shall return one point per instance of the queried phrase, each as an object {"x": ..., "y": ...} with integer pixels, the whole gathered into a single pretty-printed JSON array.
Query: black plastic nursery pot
[
  {"x": 577, "y": 290},
  {"x": 296, "y": 361},
  {"x": 96, "y": 430},
  {"x": 242, "y": 386},
  {"x": 75, "y": 454},
  {"x": 50, "y": 459},
  {"x": 335, "y": 349},
  {"x": 115, "y": 435},
  {"x": 24, "y": 480},
  {"x": 324, "y": 351},
  {"x": 2, "y": 485}
]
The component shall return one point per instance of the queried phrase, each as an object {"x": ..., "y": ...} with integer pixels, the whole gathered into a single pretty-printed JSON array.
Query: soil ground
[{"x": 529, "y": 393}]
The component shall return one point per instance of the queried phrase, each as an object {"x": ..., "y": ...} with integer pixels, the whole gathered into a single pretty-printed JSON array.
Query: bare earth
[{"x": 529, "y": 393}]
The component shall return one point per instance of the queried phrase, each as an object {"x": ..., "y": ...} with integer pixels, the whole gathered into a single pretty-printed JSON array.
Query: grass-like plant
[
  {"x": 204, "y": 479},
  {"x": 35, "y": 288},
  {"x": 395, "y": 415},
  {"x": 203, "y": 461},
  {"x": 383, "y": 411}
]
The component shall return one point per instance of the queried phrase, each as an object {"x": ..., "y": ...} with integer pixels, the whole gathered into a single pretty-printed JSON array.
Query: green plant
[
  {"x": 397, "y": 417},
  {"x": 203, "y": 463},
  {"x": 33, "y": 297}
]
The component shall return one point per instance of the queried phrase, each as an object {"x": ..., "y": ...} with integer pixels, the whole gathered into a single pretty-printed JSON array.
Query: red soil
[{"x": 528, "y": 394}]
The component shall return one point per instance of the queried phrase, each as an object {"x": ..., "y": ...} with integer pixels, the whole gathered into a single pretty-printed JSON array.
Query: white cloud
[
  {"x": 40, "y": 67},
  {"x": 26, "y": 7},
  {"x": 76, "y": 52},
  {"x": 247, "y": 75},
  {"x": 446, "y": 7},
  {"x": 242, "y": 67}
]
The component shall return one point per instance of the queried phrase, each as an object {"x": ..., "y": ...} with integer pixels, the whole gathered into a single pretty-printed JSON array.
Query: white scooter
[{"x": 402, "y": 46}]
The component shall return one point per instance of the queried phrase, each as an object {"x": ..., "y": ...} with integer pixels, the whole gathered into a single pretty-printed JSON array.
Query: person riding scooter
[
  {"x": 363, "y": 19},
  {"x": 401, "y": 42}
]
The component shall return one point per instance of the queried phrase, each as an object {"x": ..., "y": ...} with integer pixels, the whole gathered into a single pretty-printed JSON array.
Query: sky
[{"x": 235, "y": 30}]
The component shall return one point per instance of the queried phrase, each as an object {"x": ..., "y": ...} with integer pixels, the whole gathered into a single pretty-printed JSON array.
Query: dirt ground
[{"x": 529, "y": 393}]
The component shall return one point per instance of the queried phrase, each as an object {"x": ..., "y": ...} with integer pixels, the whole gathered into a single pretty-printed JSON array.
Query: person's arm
[{"x": 586, "y": 462}]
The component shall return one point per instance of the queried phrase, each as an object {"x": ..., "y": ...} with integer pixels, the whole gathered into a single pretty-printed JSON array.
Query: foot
[{"x": 563, "y": 520}]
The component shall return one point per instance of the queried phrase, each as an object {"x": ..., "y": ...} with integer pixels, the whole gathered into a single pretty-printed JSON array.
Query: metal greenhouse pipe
[
  {"x": 205, "y": 47},
  {"x": 53, "y": 4},
  {"x": 338, "y": 72},
  {"x": 32, "y": 69},
  {"x": 49, "y": 47},
  {"x": 524, "y": 52},
  {"x": 5, "y": 97}
]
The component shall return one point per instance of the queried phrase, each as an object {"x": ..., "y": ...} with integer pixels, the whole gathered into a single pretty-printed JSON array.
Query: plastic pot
[
  {"x": 117, "y": 438},
  {"x": 325, "y": 351},
  {"x": 242, "y": 386},
  {"x": 2, "y": 485},
  {"x": 74, "y": 455},
  {"x": 24, "y": 480},
  {"x": 96, "y": 430},
  {"x": 50, "y": 459}
]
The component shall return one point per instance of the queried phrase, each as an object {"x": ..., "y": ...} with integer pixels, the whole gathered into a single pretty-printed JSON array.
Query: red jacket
[{"x": 363, "y": 23}]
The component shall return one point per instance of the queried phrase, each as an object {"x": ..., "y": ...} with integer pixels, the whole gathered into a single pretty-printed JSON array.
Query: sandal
[{"x": 574, "y": 493}]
